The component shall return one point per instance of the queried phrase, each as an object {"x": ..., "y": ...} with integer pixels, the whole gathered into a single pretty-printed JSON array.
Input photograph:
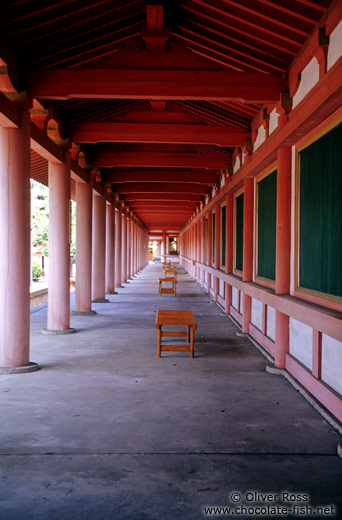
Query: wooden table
[
  {"x": 170, "y": 272},
  {"x": 176, "y": 318},
  {"x": 167, "y": 290}
]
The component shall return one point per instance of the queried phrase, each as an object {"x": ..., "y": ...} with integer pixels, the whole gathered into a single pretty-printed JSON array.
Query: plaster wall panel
[
  {"x": 236, "y": 165},
  {"x": 221, "y": 288},
  {"x": 273, "y": 122},
  {"x": 310, "y": 76},
  {"x": 235, "y": 298},
  {"x": 332, "y": 362},
  {"x": 260, "y": 137},
  {"x": 270, "y": 332},
  {"x": 335, "y": 46},
  {"x": 257, "y": 313},
  {"x": 301, "y": 342}
]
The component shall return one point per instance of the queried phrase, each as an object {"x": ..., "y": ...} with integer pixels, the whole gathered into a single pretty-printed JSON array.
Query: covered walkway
[{"x": 109, "y": 431}]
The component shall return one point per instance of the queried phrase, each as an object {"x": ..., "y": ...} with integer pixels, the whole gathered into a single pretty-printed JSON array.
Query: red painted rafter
[
  {"x": 281, "y": 21},
  {"x": 291, "y": 12},
  {"x": 76, "y": 23},
  {"x": 239, "y": 56},
  {"x": 247, "y": 28},
  {"x": 76, "y": 51},
  {"x": 146, "y": 84}
]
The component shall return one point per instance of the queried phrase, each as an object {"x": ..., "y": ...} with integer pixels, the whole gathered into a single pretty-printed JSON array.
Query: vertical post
[
  {"x": 99, "y": 249},
  {"x": 83, "y": 248},
  {"x": 283, "y": 247},
  {"x": 247, "y": 250},
  {"x": 110, "y": 258},
  {"x": 118, "y": 248},
  {"x": 202, "y": 249},
  {"x": 15, "y": 248},
  {"x": 129, "y": 247},
  {"x": 58, "y": 320}
]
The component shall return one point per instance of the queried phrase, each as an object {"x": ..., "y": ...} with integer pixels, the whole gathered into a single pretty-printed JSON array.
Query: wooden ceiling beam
[
  {"x": 169, "y": 196},
  {"x": 61, "y": 84},
  {"x": 161, "y": 160},
  {"x": 157, "y": 133},
  {"x": 159, "y": 187},
  {"x": 161, "y": 176}
]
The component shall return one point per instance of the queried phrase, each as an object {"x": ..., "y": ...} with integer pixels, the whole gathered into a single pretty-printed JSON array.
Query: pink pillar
[
  {"x": 229, "y": 248},
  {"x": 210, "y": 247},
  {"x": 118, "y": 249},
  {"x": 283, "y": 246},
  {"x": 163, "y": 248},
  {"x": 15, "y": 248},
  {"x": 247, "y": 250},
  {"x": 202, "y": 248},
  {"x": 110, "y": 256},
  {"x": 58, "y": 320},
  {"x": 99, "y": 248},
  {"x": 123, "y": 248},
  {"x": 129, "y": 247},
  {"x": 83, "y": 248}
]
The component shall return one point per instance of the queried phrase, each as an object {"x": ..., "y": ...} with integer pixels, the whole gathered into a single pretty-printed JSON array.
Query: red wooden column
[
  {"x": 110, "y": 253},
  {"x": 118, "y": 249},
  {"x": 83, "y": 248},
  {"x": 229, "y": 248},
  {"x": 217, "y": 248},
  {"x": 198, "y": 249},
  {"x": 15, "y": 248},
  {"x": 283, "y": 247},
  {"x": 123, "y": 247},
  {"x": 247, "y": 250},
  {"x": 210, "y": 240},
  {"x": 58, "y": 319},
  {"x": 99, "y": 249}
]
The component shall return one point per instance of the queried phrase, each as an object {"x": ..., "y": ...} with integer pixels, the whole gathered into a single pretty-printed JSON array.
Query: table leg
[
  {"x": 192, "y": 342},
  {"x": 188, "y": 334},
  {"x": 159, "y": 341}
]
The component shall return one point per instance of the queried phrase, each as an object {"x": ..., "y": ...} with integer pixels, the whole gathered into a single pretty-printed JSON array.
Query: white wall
[
  {"x": 235, "y": 298},
  {"x": 309, "y": 78}
]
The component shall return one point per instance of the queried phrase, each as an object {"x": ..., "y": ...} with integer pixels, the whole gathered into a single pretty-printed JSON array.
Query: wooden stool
[
  {"x": 167, "y": 290},
  {"x": 176, "y": 318}
]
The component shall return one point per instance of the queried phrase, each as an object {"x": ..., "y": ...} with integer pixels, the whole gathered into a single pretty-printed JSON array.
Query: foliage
[
  {"x": 37, "y": 271},
  {"x": 40, "y": 217}
]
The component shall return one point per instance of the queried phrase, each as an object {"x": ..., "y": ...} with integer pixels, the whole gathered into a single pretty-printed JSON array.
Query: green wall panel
[
  {"x": 320, "y": 215},
  {"x": 267, "y": 214},
  {"x": 239, "y": 232}
]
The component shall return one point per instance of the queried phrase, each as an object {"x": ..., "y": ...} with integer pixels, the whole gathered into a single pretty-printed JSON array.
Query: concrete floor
[{"x": 106, "y": 430}]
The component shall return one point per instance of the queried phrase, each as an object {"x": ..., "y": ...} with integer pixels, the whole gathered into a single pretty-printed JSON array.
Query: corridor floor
[{"x": 106, "y": 430}]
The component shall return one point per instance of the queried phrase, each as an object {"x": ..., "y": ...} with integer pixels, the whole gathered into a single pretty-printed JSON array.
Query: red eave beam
[
  {"x": 251, "y": 87},
  {"x": 157, "y": 133}
]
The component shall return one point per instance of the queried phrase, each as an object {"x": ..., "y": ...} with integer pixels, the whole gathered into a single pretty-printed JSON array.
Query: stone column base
[
  {"x": 100, "y": 301},
  {"x": 83, "y": 313},
  {"x": 31, "y": 367},
  {"x": 49, "y": 332}
]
